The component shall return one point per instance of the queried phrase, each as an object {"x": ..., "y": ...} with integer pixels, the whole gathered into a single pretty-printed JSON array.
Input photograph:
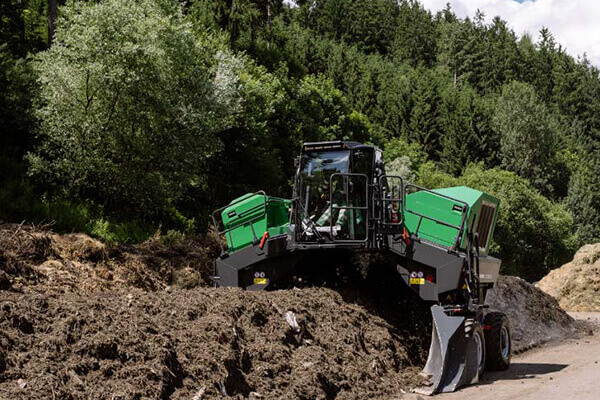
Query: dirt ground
[
  {"x": 83, "y": 320},
  {"x": 576, "y": 285},
  {"x": 567, "y": 370}
]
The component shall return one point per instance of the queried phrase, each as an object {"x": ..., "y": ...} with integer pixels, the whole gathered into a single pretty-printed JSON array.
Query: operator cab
[{"x": 332, "y": 191}]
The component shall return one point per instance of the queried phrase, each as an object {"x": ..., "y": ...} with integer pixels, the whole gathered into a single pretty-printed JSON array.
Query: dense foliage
[
  {"x": 130, "y": 122},
  {"x": 150, "y": 113}
]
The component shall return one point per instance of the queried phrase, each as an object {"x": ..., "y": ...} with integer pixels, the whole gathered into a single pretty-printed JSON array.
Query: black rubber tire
[
  {"x": 473, "y": 328},
  {"x": 494, "y": 323}
]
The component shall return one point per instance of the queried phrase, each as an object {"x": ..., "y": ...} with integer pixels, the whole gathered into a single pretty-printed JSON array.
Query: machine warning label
[
  {"x": 416, "y": 278},
  {"x": 260, "y": 278}
]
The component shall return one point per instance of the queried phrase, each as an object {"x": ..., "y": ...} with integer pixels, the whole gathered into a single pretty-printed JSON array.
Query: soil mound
[
  {"x": 88, "y": 321},
  {"x": 198, "y": 344},
  {"x": 85, "y": 320},
  {"x": 576, "y": 285},
  {"x": 37, "y": 259},
  {"x": 535, "y": 317}
]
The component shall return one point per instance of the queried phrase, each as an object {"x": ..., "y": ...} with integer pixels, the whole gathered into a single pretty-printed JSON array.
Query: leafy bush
[
  {"x": 119, "y": 232},
  {"x": 396, "y": 147},
  {"x": 20, "y": 202},
  {"x": 403, "y": 167}
]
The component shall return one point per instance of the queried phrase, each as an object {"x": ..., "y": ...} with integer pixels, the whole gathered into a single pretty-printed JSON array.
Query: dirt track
[{"x": 567, "y": 370}]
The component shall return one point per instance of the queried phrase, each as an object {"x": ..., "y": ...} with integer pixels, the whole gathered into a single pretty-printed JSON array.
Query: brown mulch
[
  {"x": 199, "y": 343},
  {"x": 37, "y": 259},
  {"x": 576, "y": 285},
  {"x": 535, "y": 317}
]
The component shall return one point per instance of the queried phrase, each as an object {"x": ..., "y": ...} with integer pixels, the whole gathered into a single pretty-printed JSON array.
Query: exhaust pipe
[{"x": 452, "y": 360}]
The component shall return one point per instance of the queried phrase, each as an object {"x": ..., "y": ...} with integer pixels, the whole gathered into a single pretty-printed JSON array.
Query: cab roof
[{"x": 334, "y": 145}]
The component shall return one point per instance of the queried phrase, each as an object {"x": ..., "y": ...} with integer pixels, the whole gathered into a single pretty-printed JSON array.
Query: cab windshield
[
  {"x": 328, "y": 202},
  {"x": 317, "y": 168}
]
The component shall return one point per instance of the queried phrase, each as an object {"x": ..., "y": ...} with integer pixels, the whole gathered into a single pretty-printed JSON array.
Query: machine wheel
[
  {"x": 497, "y": 341},
  {"x": 474, "y": 330}
]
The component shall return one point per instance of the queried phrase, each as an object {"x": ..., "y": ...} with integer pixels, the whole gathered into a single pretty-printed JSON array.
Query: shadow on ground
[{"x": 522, "y": 371}]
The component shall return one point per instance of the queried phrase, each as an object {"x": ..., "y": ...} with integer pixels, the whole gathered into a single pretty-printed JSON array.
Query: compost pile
[
  {"x": 576, "y": 285},
  {"x": 37, "y": 259},
  {"x": 83, "y": 320},
  {"x": 199, "y": 343},
  {"x": 535, "y": 317}
]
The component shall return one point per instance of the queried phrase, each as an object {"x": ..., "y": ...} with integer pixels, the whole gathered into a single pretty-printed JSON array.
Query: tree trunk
[
  {"x": 21, "y": 18},
  {"x": 233, "y": 21},
  {"x": 52, "y": 6}
]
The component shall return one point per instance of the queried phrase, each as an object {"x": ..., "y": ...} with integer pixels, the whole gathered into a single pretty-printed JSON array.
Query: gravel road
[{"x": 570, "y": 369}]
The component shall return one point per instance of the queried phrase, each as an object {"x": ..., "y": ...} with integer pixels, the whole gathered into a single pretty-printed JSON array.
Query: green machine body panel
[
  {"x": 248, "y": 217},
  {"x": 456, "y": 206}
]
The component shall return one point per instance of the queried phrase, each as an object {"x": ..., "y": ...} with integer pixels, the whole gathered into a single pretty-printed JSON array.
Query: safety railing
[
  {"x": 392, "y": 201},
  {"x": 347, "y": 177}
]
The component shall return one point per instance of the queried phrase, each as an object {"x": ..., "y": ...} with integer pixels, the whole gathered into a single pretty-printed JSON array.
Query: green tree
[
  {"x": 368, "y": 23},
  {"x": 242, "y": 20},
  {"x": 17, "y": 90},
  {"x": 583, "y": 199},
  {"x": 23, "y": 25},
  {"x": 415, "y": 35},
  {"x": 544, "y": 64},
  {"x": 527, "y": 134},
  {"x": 321, "y": 112},
  {"x": 425, "y": 124},
  {"x": 468, "y": 136},
  {"x": 463, "y": 49},
  {"x": 577, "y": 91},
  {"x": 131, "y": 104},
  {"x": 501, "y": 56},
  {"x": 393, "y": 103}
]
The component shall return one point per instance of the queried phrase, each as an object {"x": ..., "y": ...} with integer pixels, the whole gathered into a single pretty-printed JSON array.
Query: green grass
[{"x": 19, "y": 203}]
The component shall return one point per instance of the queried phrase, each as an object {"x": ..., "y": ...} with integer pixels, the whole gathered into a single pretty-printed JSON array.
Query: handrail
[
  {"x": 305, "y": 219},
  {"x": 332, "y": 207},
  {"x": 392, "y": 200},
  {"x": 465, "y": 211}
]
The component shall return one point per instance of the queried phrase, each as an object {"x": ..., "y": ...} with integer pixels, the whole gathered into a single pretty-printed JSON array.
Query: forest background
[{"x": 125, "y": 119}]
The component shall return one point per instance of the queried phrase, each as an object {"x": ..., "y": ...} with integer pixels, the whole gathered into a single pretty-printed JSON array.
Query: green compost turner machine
[{"x": 344, "y": 201}]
